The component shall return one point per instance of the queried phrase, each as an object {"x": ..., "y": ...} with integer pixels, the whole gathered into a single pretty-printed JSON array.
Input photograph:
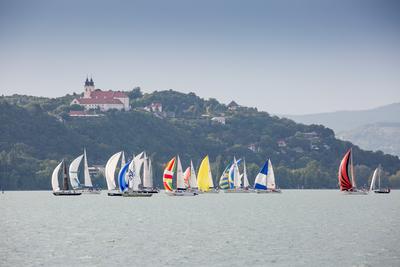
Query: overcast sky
[{"x": 285, "y": 57}]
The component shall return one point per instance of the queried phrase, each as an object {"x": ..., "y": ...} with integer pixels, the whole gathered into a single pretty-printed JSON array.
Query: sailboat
[
  {"x": 65, "y": 191},
  {"x": 205, "y": 181},
  {"x": 235, "y": 179},
  {"x": 190, "y": 180},
  {"x": 265, "y": 180},
  {"x": 347, "y": 181},
  {"x": 111, "y": 166},
  {"x": 131, "y": 180},
  {"x": 74, "y": 172},
  {"x": 148, "y": 185},
  {"x": 379, "y": 190},
  {"x": 168, "y": 175}
]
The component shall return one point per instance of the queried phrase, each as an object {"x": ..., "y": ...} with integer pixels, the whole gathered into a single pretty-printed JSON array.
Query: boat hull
[
  {"x": 67, "y": 193},
  {"x": 152, "y": 190},
  {"x": 358, "y": 192},
  {"x": 382, "y": 191},
  {"x": 182, "y": 193},
  {"x": 114, "y": 194},
  {"x": 211, "y": 191},
  {"x": 276, "y": 191},
  {"x": 240, "y": 191},
  {"x": 136, "y": 194}
]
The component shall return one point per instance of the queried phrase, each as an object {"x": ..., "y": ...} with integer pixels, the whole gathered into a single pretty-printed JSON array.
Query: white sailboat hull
[
  {"x": 178, "y": 193},
  {"x": 357, "y": 192},
  {"x": 136, "y": 194},
  {"x": 240, "y": 191}
]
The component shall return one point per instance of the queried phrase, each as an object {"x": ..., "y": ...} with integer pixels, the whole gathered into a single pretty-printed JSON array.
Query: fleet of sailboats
[
  {"x": 182, "y": 186},
  {"x": 135, "y": 177}
]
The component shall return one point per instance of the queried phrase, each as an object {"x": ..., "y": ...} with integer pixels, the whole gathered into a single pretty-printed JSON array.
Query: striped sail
[
  {"x": 168, "y": 175},
  {"x": 343, "y": 176},
  {"x": 224, "y": 181},
  {"x": 54, "y": 178},
  {"x": 111, "y": 165},
  {"x": 74, "y": 172},
  {"x": 123, "y": 184},
  {"x": 204, "y": 178}
]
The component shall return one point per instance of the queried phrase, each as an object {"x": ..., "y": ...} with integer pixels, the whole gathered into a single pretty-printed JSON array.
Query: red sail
[{"x": 344, "y": 179}]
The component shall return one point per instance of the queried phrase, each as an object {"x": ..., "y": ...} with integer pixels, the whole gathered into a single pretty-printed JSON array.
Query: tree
[{"x": 135, "y": 93}]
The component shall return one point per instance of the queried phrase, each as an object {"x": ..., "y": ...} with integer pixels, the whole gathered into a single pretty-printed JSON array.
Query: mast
[{"x": 353, "y": 179}]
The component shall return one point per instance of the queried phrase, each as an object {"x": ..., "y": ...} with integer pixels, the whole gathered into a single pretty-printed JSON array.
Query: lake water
[{"x": 295, "y": 228}]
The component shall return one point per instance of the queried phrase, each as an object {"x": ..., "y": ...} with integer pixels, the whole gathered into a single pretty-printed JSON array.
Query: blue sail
[
  {"x": 261, "y": 179},
  {"x": 123, "y": 185}
]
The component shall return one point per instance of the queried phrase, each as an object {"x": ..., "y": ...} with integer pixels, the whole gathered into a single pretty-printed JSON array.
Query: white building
[{"x": 103, "y": 100}]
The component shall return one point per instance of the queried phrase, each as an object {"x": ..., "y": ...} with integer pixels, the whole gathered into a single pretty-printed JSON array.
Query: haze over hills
[
  {"x": 36, "y": 133},
  {"x": 373, "y": 129}
]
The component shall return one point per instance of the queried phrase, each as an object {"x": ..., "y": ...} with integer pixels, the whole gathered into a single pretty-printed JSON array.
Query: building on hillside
[
  {"x": 102, "y": 100},
  {"x": 154, "y": 107},
  {"x": 233, "y": 106},
  {"x": 220, "y": 120}
]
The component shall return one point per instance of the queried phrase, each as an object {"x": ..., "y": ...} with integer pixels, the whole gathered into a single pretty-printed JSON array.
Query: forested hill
[{"x": 36, "y": 133}]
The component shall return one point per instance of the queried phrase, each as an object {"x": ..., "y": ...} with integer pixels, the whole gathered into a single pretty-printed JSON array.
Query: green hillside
[{"x": 36, "y": 133}]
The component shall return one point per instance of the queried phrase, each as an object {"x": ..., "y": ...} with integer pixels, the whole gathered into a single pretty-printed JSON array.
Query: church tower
[{"x": 89, "y": 88}]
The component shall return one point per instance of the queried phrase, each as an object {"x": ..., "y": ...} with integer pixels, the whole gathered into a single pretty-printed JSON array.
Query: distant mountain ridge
[
  {"x": 341, "y": 121},
  {"x": 373, "y": 129}
]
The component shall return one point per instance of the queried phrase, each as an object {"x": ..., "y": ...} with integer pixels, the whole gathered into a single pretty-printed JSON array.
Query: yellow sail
[{"x": 203, "y": 180}]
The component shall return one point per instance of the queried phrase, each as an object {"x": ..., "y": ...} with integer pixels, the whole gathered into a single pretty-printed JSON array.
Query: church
[{"x": 103, "y": 100}]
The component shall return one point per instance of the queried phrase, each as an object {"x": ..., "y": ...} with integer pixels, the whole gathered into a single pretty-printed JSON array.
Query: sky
[{"x": 284, "y": 57}]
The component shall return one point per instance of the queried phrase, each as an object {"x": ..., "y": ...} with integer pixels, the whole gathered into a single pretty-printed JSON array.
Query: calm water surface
[{"x": 296, "y": 228}]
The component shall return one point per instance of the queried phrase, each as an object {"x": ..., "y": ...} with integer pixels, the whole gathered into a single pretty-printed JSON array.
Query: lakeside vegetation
[{"x": 36, "y": 133}]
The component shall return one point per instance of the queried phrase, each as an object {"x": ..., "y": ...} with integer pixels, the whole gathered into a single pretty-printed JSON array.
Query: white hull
[
  {"x": 355, "y": 192},
  {"x": 239, "y": 191},
  {"x": 90, "y": 191},
  {"x": 182, "y": 193}
]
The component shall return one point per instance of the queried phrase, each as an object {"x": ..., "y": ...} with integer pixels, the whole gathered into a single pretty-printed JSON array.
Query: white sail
[
  {"x": 54, "y": 177},
  {"x": 74, "y": 172},
  {"x": 270, "y": 176},
  {"x": 245, "y": 180},
  {"x": 123, "y": 161},
  {"x": 192, "y": 179},
  {"x": 373, "y": 181},
  {"x": 236, "y": 174},
  {"x": 146, "y": 172},
  {"x": 210, "y": 175},
  {"x": 151, "y": 185},
  {"x": 180, "y": 182},
  {"x": 138, "y": 164},
  {"x": 86, "y": 174},
  {"x": 133, "y": 173},
  {"x": 110, "y": 170}
]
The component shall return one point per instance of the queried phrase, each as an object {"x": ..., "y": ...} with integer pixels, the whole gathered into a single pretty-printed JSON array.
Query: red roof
[
  {"x": 87, "y": 101},
  {"x": 108, "y": 94}
]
